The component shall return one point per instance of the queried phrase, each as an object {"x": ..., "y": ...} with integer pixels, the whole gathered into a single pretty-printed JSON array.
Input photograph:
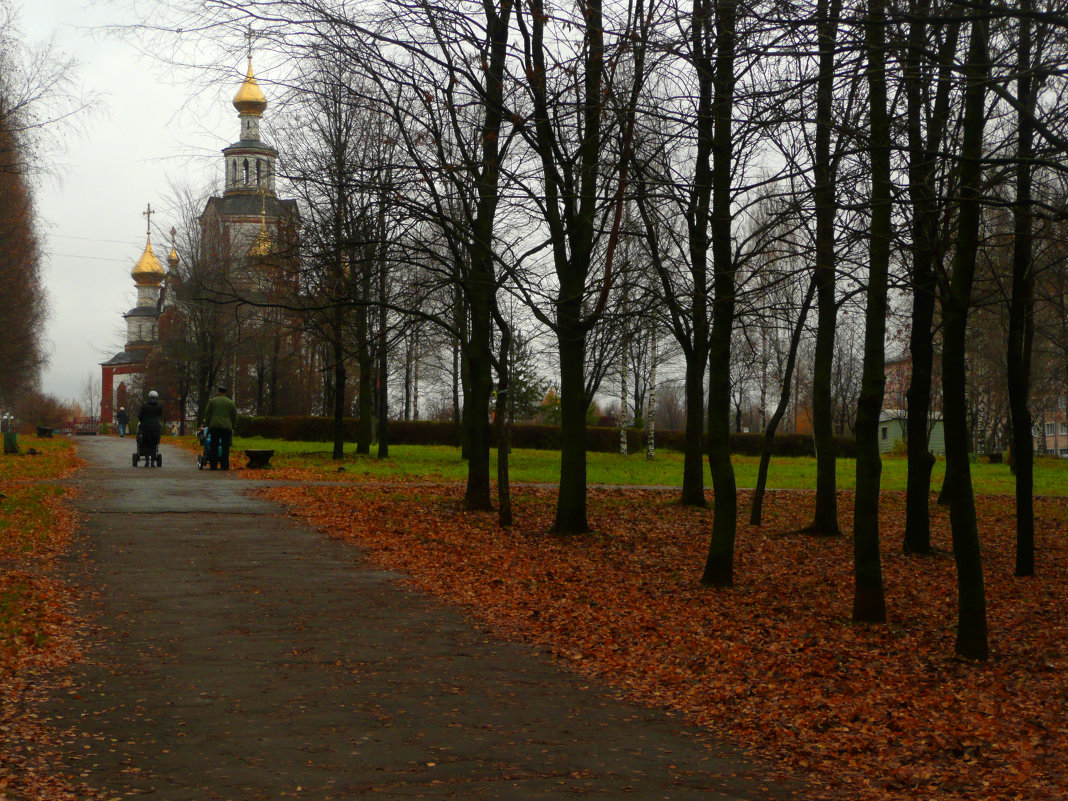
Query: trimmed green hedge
[
  {"x": 602, "y": 439},
  {"x": 750, "y": 444}
]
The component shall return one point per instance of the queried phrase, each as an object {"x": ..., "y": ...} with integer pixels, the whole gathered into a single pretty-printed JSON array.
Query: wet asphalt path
[{"x": 239, "y": 655}]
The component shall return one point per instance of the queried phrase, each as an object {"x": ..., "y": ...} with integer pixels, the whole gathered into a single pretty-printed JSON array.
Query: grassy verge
[
  {"x": 36, "y": 610},
  {"x": 35, "y": 526},
  {"x": 311, "y": 460}
]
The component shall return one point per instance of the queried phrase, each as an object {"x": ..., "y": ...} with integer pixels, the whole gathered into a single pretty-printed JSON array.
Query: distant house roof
[
  {"x": 252, "y": 145},
  {"x": 125, "y": 357},
  {"x": 253, "y": 205},
  {"x": 142, "y": 311}
]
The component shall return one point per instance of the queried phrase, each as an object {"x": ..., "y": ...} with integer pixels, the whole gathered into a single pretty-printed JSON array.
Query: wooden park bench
[
  {"x": 259, "y": 459},
  {"x": 86, "y": 425}
]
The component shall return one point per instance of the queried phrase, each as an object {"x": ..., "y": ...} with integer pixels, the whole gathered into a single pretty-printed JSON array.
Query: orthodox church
[
  {"x": 249, "y": 220},
  {"x": 248, "y": 238},
  {"x": 142, "y": 331}
]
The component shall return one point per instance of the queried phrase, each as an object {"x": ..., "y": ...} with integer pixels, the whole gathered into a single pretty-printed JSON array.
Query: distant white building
[{"x": 893, "y": 429}]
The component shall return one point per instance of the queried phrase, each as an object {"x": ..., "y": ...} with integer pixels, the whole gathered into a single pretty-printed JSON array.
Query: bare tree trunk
[
  {"x": 456, "y": 383},
  {"x": 921, "y": 347},
  {"x": 571, "y": 501},
  {"x": 383, "y": 352},
  {"x": 693, "y": 475},
  {"x": 481, "y": 283},
  {"x": 692, "y": 339},
  {"x": 339, "y": 401},
  {"x": 869, "y": 604},
  {"x": 719, "y": 565},
  {"x": 464, "y": 374},
  {"x": 504, "y": 376},
  {"x": 366, "y": 387},
  {"x": 623, "y": 401},
  {"x": 1021, "y": 306},
  {"x": 971, "y": 616},
  {"x": 650, "y": 415},
  {"x": 415, "y": 378},
  {"x": 409, "y": 344},
  {"x": 923, "y": 161},
  {"x": 572, "y": 213},
  {"x": 477, "y": 494},
  {"x": 756, "y": 512},
  {"x": 825, "y": 520}
]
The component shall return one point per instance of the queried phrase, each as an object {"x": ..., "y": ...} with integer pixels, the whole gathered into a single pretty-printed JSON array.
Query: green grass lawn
[
  {"x": 32, "y": 534},
  {"x": 443, "y": 463}
]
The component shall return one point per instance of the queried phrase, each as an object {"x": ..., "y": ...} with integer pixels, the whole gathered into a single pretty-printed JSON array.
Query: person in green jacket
[{"x": 221, "y": 419}]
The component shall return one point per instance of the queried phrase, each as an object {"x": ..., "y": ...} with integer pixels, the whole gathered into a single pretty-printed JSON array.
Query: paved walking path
[{"x": 243, "y": 656}]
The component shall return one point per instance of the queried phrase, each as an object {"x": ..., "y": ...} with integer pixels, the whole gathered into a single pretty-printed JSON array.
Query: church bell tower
[
  {"x": 249, "y": 209},
  {"x": 250, "y": 162},
  {"x": 250, "y": 241}
]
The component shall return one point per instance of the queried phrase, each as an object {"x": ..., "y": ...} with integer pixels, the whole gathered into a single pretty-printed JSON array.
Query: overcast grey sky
[{"x": 154, "y": 125}]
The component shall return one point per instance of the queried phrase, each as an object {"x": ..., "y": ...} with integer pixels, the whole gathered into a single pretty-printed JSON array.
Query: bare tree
[
  {"x": 89, "y": 399},
  {"x": 38, "y": 101},
  {"x": 928, "y": 105},
  {"x": 869, "y": 604},
  {"x": 971, "y": 620},
  {"x": 569, "y": 62}
]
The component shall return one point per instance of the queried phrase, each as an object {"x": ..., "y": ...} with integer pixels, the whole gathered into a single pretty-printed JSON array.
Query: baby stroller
[
  {"x": 148, "y": 449},
  {"x": 204, "y": 438}
]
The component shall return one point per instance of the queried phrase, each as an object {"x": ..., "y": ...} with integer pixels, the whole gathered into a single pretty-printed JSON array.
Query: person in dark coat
[
  {"x": 150, "y": 421},
  {"x": 122, "y": 419}
]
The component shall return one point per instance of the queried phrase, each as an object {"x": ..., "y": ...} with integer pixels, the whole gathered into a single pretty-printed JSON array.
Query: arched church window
[
  {"x": 259, "y": 168},
  {"x": 246, "y": 172},
  {"x": 233, "y": 172}
]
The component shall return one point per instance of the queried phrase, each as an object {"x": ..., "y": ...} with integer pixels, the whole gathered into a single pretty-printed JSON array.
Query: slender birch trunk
[
  {"x": 650, "y": 413},
  {"x": 623, "y": 404}
]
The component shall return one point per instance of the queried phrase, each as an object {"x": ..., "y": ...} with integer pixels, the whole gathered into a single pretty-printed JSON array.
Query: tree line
[{"x": 38, "y": 100}]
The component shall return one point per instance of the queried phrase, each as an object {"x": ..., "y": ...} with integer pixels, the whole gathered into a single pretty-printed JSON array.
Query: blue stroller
[{"x": 204, "y": 458}]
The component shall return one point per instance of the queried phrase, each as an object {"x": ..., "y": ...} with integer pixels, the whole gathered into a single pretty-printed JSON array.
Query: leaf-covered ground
[
  {"x": 37, "y": 626},
  {"x": 864, "y": 713}
]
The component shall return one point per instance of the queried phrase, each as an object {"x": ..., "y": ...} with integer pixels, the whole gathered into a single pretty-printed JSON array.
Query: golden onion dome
[
  {"x": 172, "y": 259},
  {"x": 261, "y": 246},
  {"x": 249, "y": 98},
  {"x": 148, "y": 269}
]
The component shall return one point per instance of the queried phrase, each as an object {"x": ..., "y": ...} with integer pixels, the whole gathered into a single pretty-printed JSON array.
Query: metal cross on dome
[{"x": 147, "y": 214}]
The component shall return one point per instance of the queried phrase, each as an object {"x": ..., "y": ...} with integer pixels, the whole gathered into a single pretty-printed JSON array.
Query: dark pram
[
  {"x": 148, "y": 450},
  {"x": 204, "y": 438}
]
